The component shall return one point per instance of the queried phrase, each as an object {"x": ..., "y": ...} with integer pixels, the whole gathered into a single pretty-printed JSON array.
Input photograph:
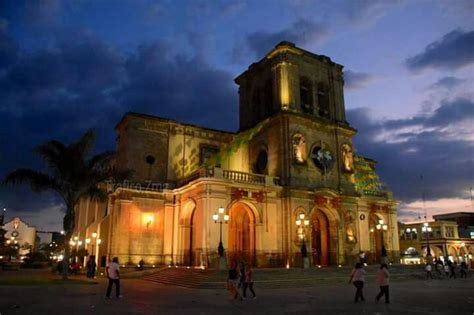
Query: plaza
[{"x": 324, "y": 292}]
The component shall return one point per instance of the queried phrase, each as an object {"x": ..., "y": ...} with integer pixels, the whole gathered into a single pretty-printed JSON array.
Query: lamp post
[
  {"x": 94, "y": 240},
  {"x": 382, "y": 227},
  {"x": 72, "y": 243},
  {"x": 79, "y": 244},
  {"x": 220, "y": 218},
  {"x": 427, "y": 229},
  {"x": 301, "y": 225}
]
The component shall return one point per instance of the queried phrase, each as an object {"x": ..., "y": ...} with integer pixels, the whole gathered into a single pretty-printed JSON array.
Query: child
[
  {"x": 248, "y": 282},
  {"x": 382, "y": 281},
  {"x": 358, "y": 279}
]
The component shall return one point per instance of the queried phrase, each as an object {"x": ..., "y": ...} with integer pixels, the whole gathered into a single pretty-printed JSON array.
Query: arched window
[
  {"x": 306, "y": 95},
  {"x": 261, "y": 163},
  {"x": 268, "y": 96},
  {"x": 323, "y": 100}
]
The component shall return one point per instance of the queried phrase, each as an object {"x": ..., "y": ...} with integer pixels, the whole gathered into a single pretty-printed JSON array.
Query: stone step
[{"x": 182, "y": 277}]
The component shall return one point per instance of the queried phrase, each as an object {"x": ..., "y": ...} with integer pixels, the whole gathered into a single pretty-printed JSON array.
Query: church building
[{"x": 288, "y": 184}]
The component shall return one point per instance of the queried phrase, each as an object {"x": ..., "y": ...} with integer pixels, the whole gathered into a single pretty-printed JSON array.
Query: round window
[
  {"x": 262, "y": 161},
  {"x": 150, "y": 159},
  {"x": 322, "y": 158}
]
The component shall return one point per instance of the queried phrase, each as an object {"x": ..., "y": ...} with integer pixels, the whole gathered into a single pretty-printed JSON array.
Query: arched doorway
[
  {"x": 188, "y": 231},
  {"x": 241, "y": 234},
  {"x": 375, "y": 239},
  {"x": 320, "y": 238}
]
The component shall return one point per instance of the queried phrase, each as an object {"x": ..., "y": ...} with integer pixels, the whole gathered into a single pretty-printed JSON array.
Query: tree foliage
[
  {"x": 366, "y": 179},
  {"x": 73, "y": 173}
]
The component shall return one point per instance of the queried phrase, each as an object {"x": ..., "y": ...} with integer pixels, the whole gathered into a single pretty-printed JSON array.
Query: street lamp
[
  {"x": 301, "y": 225},
  {"x": 427, "y": 229},
  {"x": 224, "y": 218},
  {"x": 94, "y": 241},
  {"x": 382, "y": 227}
]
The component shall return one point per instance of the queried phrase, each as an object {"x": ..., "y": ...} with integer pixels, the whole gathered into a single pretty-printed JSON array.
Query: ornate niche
[
  {"x": 299, "y": 148},
  {"x": 350, "y": 228},
  {"x": 322, "y": 158},
  {"x": 347, "y": 158}
]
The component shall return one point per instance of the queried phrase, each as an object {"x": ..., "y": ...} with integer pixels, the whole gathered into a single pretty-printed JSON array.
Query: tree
[{"x": 73, "y": 174}]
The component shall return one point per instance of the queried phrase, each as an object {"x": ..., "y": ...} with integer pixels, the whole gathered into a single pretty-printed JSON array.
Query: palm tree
[{"x": 73, "y": 174}]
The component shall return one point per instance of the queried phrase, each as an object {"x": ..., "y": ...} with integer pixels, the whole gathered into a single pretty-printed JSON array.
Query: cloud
[
  {"x": 301, "y": 32},
  {"x": 8, "y": 47},
  {"x": 363, "y": 11},
  {"x": 413, "y": 211},
  {"x": 454, "y": 50},
  {"x": 439, "y": 145},
  {"x": 358, "y": 13},
  {"x": 179, "y": 87},
  {"x": 448, "y": 83},
  {"x": 357, "y": 80},
  {"x": 84, "y": 83}
]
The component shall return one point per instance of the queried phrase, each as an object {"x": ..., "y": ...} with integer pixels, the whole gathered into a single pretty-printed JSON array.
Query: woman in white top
[{"x": 358, "y": 279}]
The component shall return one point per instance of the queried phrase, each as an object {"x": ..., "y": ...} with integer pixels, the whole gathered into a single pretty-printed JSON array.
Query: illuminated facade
[
  {"x": 293, "y": 155},
  {"x": 20, "y": 233},
  {"x": 448, "y": 237}
]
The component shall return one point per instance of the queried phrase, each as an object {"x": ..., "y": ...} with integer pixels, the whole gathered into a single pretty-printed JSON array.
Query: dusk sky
[{"x": 66, "y": 66}]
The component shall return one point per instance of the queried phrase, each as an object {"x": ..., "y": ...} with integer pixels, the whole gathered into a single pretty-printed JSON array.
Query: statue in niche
[
  {"x": 350, "y": 235},
  {"x": 347, "y": 158},
  {"x": 299, "y": 148}
]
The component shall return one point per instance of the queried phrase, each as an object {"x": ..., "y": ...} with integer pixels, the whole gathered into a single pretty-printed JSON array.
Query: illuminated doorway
[
  {"x": 320, "y": 238},
  {"x": 241, "y": 244},
  {"x": 375, "y": 240}
]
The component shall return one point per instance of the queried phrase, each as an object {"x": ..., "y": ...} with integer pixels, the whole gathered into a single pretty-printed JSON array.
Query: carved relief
[
  {"x": 347, "y": 158},
  {"x": 299, "y": 148}
]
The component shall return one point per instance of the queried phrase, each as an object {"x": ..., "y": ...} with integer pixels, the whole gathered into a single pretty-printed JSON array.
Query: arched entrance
[
  {"x": 320, "y": 238},
  {"x": 188, "y": 231},
  {"x": 375, "y": 239},
  {"x": 241, "y": 233}
]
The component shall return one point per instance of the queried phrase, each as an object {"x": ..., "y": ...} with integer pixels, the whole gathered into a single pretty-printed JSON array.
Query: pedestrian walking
[
  {"x": 446, "y": 270},
  {"x": 233, "y": 281},
  {"x": 91, "y": 266},
  {"x": 439, "y": 268},
  {"x": 428, "y": 269},
  {"x": 383, "y": 282},
  {"x": 113, "y": 274},
  {"x": 463, "y": 269},
  {"x": 452, "y": 269},
  {"x": 241, "y": 274},
  {"x": 248, "y": 282},
  {"x": 358, "y": 279}
]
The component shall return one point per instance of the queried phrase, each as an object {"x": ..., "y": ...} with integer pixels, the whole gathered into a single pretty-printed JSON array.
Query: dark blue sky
[{"x": 69, "y": 66}]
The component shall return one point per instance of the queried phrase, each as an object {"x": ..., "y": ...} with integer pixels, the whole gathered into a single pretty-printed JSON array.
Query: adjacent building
[
  {"x": 20, "y": 233},
  {"x": 448, "y": 237},
  {"x": 289, "y": 176}
]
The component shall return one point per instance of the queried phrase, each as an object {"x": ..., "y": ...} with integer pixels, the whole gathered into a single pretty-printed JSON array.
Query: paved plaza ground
[{"x": 409, "y": 295}]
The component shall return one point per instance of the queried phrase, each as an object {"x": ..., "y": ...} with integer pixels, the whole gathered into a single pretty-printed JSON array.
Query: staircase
[{"x": 181, "y": 276}]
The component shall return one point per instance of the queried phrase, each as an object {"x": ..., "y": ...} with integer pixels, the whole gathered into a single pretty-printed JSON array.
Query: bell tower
[{"x": 291, "y": 79}]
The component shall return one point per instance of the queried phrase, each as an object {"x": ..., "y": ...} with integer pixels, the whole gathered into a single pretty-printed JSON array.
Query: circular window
[
  {"x": 262, "y": 161},
  {"x": 15, "y": 234},
  {"x": 150, "y": 159},
  {"x": 322, "y": 158}
]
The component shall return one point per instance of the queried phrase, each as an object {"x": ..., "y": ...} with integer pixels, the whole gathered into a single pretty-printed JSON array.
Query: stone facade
[{"x": 292, "y": 159}]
